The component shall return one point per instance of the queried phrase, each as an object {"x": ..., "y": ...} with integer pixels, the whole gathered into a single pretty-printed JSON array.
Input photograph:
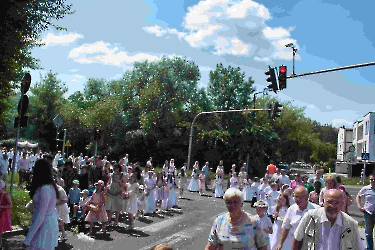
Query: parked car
[{"x": 285, "y": 166}]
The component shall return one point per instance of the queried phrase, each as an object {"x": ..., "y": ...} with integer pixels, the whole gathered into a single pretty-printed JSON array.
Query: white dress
[
  {"x": 131, "y": 205},
  {"x": 172, "y": 200},
  {"x": 63, "y": 209},
  {"x": 247, "y": 191},
  {"x": 234, "y": 182},
  {"x": 44, "y": 230},
  {"x": 150, "y": 198},
  {"x": 219, "y": 192},
  {"x": 275, "y": 236},
  {"x": 193, "y": 185}
]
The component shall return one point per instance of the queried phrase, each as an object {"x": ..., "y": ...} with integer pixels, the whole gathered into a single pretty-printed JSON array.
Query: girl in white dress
[
  {"x": 234, "y": 181},
  {"x": 247, "y": 190},
  {"x": 141, "y": 201},
  {"x": 133, "y": 189},
  {"x": 219, "y": 184},
  {"x": 182, "y": 182},
  {"x": 272, "y": 197},
  {"x": 254, "y": 187},
  {"x": 164, "y": 203},
  {"x": 264, "y": 221},
  {"x": 172, "y": 201},
  {"x": 280, "y": 211},
  {"x": 150, "y": 183},
  {"x": 63, "y": 211},
  {"x": 159, "y": 190},
  {"x": 193, "y": 185}
]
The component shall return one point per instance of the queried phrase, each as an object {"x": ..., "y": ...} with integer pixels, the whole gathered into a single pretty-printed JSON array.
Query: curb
[{"x": 16, "y": 232}]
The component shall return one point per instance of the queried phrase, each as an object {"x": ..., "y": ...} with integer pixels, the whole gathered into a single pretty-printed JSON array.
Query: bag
[
  {"x": 125, "y": 195},
  {"x": 112, "y": 192},
  {"x": 93, "y": 208}
]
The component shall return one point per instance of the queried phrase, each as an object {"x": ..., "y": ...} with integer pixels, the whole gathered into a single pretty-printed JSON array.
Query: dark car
[{"x": 285, "y": 166}]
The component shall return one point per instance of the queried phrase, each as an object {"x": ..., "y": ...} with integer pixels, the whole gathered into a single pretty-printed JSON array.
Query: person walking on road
[
  {"x": 368, "y": 209},
  {"x": 206, "y": 174},
  {"x": 328, "y": 227},
  {"x": 271, "y": 169}
]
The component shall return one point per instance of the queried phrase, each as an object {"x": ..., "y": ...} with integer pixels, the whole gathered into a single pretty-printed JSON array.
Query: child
[
  {"x": 247, "y": 190},
  {"x": 219, "y": 184},
  {"x": 63, "y": 211},
  {"x": 133, "y": 190},
  {"x": 141, "y": 200},
  {"x": 97, "y": 214},
  {"x": 234, "y": 181},
  {"x": 80, "y": 209},
  {"x": 314, "y": 195},
  {"x": 255, "y": 187},
  {"x": 164, "y": 202},
  {"x": 5, "y": 207},
  {"x": 264, "y": 221},
  {"x": 182, "y": 182},
  {"x": 362, "y": 180},
  {"x": 73, "y": 196},
  {"x": 272, "y": 197},
  {"x": 278, "y": 215},
  {"x": 310, "y": 185},
  {"x": 201, "y": 183},
  {"x": 172, "y": 201},
  {"x": 193, "y": 185},
  {"x": 348, "y": 200},
  {"x": 159, "y": 190}
]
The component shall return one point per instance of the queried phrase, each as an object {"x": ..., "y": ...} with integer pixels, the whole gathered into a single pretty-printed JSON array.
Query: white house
[
  {"x": 364, "y": 135},
  {"x": 344, "y": 141}
]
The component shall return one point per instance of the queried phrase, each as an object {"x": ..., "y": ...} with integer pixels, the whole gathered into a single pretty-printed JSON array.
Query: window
[{"x": 366, "y": 128}]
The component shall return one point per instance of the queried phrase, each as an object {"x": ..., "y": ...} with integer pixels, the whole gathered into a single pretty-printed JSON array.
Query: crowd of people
[{"x": 291, "y": 212}]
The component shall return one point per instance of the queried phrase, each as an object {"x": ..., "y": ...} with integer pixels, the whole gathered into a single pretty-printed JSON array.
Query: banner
[{"x": 26, "y": 144}]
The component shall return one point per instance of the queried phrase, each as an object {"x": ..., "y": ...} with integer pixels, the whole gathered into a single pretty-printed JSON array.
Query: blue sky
[{"x": 105, "y": 38}]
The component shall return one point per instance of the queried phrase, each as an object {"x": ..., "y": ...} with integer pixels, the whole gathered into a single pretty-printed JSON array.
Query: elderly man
[
  {"x": 328, "y": 227},
  {"x": 293, "y": 216}
]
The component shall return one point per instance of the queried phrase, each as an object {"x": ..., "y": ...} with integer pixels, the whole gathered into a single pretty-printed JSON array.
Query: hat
[
  {"x": 273, "y": 184},
  {"x": 260, "y": 204},
  {"x": 85, "y": 191},
  {"x": 2, "y": 184},
  {"x": 141, "y": 187},
  {"x": 310, "y": 180},
  {"x": 76, "y": 182},
  {"x": 100, "y": 182}
]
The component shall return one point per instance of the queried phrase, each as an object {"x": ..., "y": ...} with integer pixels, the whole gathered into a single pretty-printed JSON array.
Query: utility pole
[{"x": 212, "y": 112}]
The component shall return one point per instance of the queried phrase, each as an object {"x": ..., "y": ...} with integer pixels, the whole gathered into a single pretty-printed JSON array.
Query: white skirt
[{"x": 193, "y": 185}]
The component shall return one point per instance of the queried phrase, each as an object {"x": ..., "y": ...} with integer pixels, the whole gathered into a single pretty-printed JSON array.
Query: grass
[{"x": 21, "y": 217}]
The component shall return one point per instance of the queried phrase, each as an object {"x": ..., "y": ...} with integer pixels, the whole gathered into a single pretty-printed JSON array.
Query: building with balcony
[{"x": 344, "y": 141}]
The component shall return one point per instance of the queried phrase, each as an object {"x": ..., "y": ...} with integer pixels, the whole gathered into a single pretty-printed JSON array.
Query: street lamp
[{"x": 291, "y": 45}]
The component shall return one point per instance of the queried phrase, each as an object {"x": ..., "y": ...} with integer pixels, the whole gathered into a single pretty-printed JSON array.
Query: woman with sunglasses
[
  {"x": 235, "y": 229},
  {"x": 368, "y": 209}
]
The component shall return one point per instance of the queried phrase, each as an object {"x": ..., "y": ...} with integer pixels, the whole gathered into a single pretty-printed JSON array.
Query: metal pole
[
  {"x": 96, "y": 147},
  {"x": 211, "y": 112},
  {"x": 15, "y": 153},
  {"x": 63, "y": 146},
  {"x": 334, "y": 69},
  {"x": 294, "y": 53}
]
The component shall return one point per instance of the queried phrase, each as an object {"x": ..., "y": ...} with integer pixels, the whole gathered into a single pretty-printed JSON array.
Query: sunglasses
[{"x": 232, "y": 202}]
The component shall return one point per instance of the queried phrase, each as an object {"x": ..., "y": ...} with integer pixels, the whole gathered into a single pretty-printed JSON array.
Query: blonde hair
[{"x": 331, "y": 178}]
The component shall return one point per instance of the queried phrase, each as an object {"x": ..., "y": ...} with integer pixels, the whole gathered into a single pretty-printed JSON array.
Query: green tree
[
  {"x": 46, "y": 101},
  {"x": 22, "y": 22}
]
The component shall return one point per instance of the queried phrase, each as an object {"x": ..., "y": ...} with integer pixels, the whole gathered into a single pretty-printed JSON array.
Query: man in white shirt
[
  {"x": 293, "y": 216},
  {"x": 23, "y": 166},
  {"x": 283, "y": 178},
  {"x": 327, "y": 228}
]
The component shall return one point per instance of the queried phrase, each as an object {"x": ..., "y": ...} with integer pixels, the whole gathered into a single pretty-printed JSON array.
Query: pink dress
[
  {"x": 201, "y": 181},
  {"x": 5, "y": 217},
  {"x": 101, "y": 215}
]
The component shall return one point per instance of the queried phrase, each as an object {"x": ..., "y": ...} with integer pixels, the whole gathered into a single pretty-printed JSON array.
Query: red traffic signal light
[
  {"x": 97, "y": 134},
  {"x": 282, "y": 77}
]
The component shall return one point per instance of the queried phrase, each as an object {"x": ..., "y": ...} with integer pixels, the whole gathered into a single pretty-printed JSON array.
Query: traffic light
[
  {"x": 276, "y": 111},
  {"x": 23, "y": 104},
  {"x": 272, "y": 79},
  {"x": 282, "y": 77},
  {"x": 269, "y": 111},
  {"x": 97, "y": 135}
]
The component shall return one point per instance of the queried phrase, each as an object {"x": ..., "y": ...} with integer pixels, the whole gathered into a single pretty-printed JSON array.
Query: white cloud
[
  {"x": 107, "y": 55},
  {"x": 62, "y": 39},
  {"x": 73, "y": 70},
  {"x": 76, "y": 78},
  {"x": 234, "y": 27}
]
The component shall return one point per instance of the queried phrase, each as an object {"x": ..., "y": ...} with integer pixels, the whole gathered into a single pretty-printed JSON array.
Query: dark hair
[
  {"x": 116, "y": 166},
  {"x": 182, "y": 172},
  {"x": 338, "y": 178},
  {"x": 42, "y": 175},
  {"x": 68, "y": 163},
  {"x": 278, "y": 206},
  {"x": 138, "y": 170},
  {"x": 48, "y": 157}
]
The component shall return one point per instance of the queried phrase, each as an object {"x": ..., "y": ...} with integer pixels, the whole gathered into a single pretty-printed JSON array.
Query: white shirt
[
  {"x": 24, "y": 164},
  {"x": 294, "y": 215},
  {"x": 284, "y": 179}
]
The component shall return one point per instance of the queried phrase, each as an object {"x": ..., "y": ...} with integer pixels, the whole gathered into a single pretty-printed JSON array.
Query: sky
[{"x": 104, "y": 39}]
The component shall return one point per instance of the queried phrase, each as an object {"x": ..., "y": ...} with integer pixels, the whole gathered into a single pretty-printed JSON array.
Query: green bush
[{"x": 20, "y": 215}]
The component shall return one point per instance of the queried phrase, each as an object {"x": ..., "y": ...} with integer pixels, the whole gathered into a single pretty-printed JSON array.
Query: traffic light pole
[
  {"x": 96, "y": 147},
  {"x": 331, "y": 70},
  {"x": 15, "y": 153},
  {"x": 212, "y": 112}
]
